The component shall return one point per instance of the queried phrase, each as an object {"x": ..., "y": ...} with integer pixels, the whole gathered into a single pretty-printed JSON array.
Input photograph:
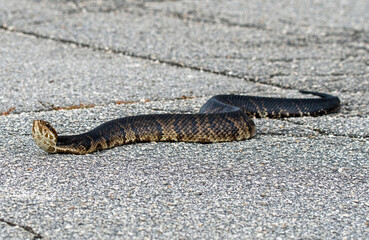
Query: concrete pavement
[{"x": 298, "y": 178}]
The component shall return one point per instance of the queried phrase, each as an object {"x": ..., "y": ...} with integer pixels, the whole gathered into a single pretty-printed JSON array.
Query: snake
[{"x": 222, "y": 118}]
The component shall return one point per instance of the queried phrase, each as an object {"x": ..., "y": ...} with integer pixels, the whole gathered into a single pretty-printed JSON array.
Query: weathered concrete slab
[
  {"x": 297, "y": 15},
  {"x": 298, "y": 178},
  {"x": 269, "y": 186},
  {"x": 40, "y": 74},
  {"x": 233, "y": 50}
]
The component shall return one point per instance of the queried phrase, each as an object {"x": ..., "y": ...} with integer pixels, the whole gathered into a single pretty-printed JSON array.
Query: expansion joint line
[
  {"x": 324, "y": 132},
  {"x": 148, "y": 57},
  {"x": 26, "y": 228}
]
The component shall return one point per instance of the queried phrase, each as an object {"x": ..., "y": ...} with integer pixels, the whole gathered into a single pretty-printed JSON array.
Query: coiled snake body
[{"x": 222, "y": 118}]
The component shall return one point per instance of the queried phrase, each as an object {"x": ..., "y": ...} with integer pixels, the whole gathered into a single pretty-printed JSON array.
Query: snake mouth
[{"x": 44, "y": 135}]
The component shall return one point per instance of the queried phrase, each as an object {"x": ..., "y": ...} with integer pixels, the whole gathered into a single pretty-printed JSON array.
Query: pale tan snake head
[{"x": 45, "y": 135}]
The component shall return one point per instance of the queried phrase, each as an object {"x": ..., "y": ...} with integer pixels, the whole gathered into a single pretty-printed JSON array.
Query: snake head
[{"x": 45, "y": 135}]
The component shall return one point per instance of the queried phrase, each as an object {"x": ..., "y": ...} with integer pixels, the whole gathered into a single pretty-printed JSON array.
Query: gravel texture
[{"x": 304, "y": 178}]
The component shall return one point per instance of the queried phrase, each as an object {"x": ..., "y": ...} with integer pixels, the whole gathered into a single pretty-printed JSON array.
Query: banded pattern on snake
[{"x": 222, "y": 118}]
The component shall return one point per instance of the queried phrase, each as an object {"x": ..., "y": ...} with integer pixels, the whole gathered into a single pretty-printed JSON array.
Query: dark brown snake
[{"x": 222, "y": 118}]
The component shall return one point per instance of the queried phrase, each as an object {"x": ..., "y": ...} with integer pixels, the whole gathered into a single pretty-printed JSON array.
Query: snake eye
[{"x": 47, "y": 124}]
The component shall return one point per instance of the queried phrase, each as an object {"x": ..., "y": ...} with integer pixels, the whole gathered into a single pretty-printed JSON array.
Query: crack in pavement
[
  {"x": 170, "y": 14},
  {"x": 26, "y": 228},
  {"x": 204, "y": 19},
  {"x": 179, "y": 64},
  {"x": 348, "y": 34},
  {"x": 326, "y": 133},
  {"x": 80, "y": 8}
]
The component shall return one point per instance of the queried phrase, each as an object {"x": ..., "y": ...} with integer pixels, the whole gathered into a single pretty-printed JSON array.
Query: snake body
[{"x": 222, "y": 118}]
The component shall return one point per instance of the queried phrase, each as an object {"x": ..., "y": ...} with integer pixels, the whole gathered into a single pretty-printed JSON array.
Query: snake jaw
[{"x": 44, "y": 135}]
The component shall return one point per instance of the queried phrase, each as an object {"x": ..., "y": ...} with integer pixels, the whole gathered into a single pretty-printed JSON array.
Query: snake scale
[{"x": 222, "y": 118}]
